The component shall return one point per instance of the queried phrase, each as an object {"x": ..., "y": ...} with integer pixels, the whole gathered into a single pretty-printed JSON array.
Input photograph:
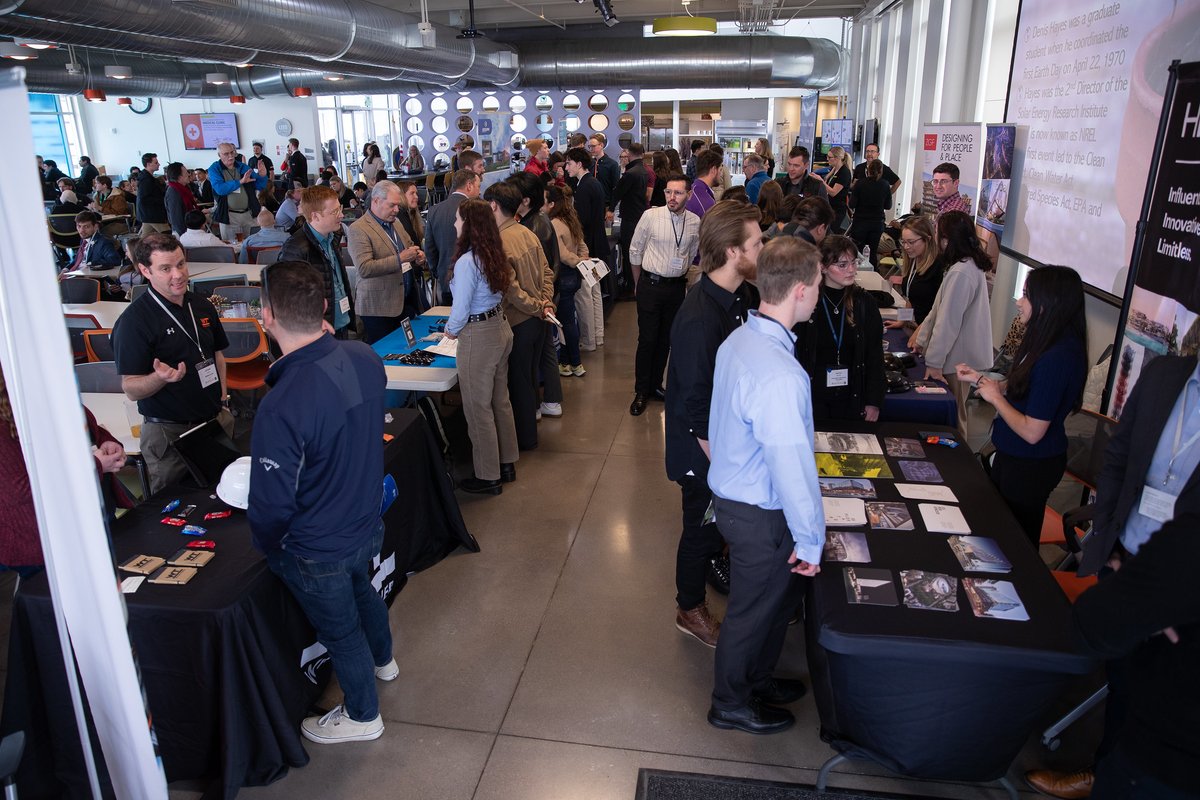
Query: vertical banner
[
  {"x": 997, "y": 177},
  {"x": 1161, "y": 315},
  {"x": 807, "y": 136},
  {"x": 959, "y": 143}
]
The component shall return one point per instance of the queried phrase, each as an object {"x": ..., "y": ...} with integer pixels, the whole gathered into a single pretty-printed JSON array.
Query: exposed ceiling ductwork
[{"x": 322, "y": 31}]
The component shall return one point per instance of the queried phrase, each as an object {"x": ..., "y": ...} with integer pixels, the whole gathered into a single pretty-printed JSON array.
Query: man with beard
[
  {"x": 660, "y": 251},
  {"x": 730, "y": 241}
]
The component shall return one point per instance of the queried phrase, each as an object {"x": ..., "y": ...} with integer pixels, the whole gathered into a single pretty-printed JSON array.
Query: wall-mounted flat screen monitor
[{"x": 206, "y": 131}]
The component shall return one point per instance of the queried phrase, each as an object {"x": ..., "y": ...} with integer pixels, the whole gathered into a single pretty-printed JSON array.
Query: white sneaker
[
  {"x": 564, "y": 370},
  {"x": 578, "y": 371},
  {"x": 538, "y": 415},
  {"x": 551, "y": 409},
  {"x": 388, "y": 672},
  {"x": 336, "y": 726}
]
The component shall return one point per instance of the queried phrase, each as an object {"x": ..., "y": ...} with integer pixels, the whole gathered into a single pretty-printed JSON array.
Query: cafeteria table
[
  {"x": 932, "y": 694},
  {"x": 440, "y": 376},
  {"x": 228, "y": 662},
  {"x": 105, "y": 311},
  {"x": 913, "y": 406}
]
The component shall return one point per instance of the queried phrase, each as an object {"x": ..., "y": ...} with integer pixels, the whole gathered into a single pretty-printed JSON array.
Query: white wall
[{"x": 116, "y": 137}]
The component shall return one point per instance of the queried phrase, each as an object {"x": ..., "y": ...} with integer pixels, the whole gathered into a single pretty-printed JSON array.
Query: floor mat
[{"x": 655, "y": 784}]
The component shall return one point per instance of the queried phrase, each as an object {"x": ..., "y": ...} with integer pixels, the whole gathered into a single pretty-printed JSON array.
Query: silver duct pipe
[
  {"x": 354, "y": 31},
  {"x": 714, "y": 62}
]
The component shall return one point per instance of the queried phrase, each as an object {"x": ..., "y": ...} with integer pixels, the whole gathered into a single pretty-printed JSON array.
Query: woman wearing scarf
[{"x": 179, "y": 198}]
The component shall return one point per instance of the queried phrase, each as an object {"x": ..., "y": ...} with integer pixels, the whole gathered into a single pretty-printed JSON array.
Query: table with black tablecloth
[
  {"x": 913, "y": 406},
  {"x": 228, "y": 661},
  {"x": 938, "y": 694}
]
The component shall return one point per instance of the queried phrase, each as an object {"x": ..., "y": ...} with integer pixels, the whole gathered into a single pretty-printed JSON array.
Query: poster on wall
[
  {"x": 206, "y": 131},
  {"x": 999, "y": 145},
  {"x": 1163, "y": 313},
  {"x": 958, "y": 143}
]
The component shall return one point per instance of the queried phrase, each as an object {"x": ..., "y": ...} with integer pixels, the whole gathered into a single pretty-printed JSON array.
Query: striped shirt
[{"x": 660, "y": 236}]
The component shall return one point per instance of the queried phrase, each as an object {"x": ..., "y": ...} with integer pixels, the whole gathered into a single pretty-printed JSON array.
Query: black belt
[
  {"x": 659, "y": 279},
  {"x": 158, "y": 421},
  {"x": 491, "y": 312}
]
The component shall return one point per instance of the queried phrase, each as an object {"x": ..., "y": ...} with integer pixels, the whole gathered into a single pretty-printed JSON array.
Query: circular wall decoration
[
  {"x": 518, "y": 141},
  {"x": 597, "y": 102},
  {"x": 549, "y": 140},
  {"x": 439, "y": 125},
  {"x": 490, "y": 104},
  {"x": 441, "y": 161},
  {"x": 464, "y": 105},
  {"x": 414, "y": 125},
  {"x": 543, "y": 103},
  {"x": 441, "y": 143},
  {"x": 625, "y": 122},
  {"x": 438, "y": 105},
  {"x": 624, "y": 140},
  {"x": 283, "y": 126},
  {"x": 464, "y": 123},
  {"x": 516, "y": 104},
  {"x": 544, "y": 122},
  {"x": 572, "y": 122},
  {"x": 519, "y": 123},
  {"x": 416, "y": 141},
  {"x": 626, "y": 102},
  {"x": 598, "y": 122},
  {"x": 412, "y": 106},
  {"x": 570, "y": 103}
]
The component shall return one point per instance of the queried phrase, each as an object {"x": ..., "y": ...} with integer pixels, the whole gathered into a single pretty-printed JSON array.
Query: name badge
[
  {"x": 409, "y": 336},
  {"x": 344, "y": 305},
  {"x": 405, "y": 266},
  {"x": 837, "y": 376},
  {"x": 677, "y": 263},
  {"x": 207, "y": 370},
  {"x": 1157, "y": 505}
]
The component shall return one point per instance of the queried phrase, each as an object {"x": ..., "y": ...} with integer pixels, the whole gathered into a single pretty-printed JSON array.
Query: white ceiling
[{"x": 491, "y": 14}]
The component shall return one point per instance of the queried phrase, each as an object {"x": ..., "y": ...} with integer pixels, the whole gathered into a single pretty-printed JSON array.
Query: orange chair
[
  {"x": 247, "y": 358},
  {"x": 254, "y": 252},
  {"x": 98, "y": 345},
  {"x": 77, "y": 324}
]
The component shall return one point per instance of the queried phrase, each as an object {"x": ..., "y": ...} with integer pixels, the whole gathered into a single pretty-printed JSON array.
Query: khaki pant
[
  {"x": 239, "y": 222},
  {"x": 164, "y": 465},
  {"x": 589, "y": 310},
  {"x": 154, "y": 227},
  {"x": 483, "y": 349}
]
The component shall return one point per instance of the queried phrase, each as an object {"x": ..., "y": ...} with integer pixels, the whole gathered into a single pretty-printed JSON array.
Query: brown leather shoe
[
  {"x": 1066, "y": 785},
  {"x": 699, "y": 623}
]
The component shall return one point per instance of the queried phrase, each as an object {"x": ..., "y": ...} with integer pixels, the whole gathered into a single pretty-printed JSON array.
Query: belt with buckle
[
  {"x": 660, "y": 279},
  {"x": 159, "y": 421},
  {"x": 491, "y": 312}
]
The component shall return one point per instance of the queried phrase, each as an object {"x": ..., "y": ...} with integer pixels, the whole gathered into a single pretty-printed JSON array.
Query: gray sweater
[{"x": 958, "y": 329}]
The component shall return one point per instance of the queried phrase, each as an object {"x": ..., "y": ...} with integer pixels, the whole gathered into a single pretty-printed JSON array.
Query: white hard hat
[{"x": 234, "y": 487}]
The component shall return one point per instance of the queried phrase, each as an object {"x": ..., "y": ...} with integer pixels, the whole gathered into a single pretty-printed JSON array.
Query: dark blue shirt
[
  {"x": 317, "y": 451},
  {"x": 1054, "y": 386}
]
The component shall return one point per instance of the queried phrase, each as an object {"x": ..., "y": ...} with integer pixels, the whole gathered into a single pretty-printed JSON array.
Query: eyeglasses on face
[{"x": 845, "y": 263}]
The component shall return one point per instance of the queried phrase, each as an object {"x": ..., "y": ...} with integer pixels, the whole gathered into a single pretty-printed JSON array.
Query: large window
[{"x": 56, "y": 129}]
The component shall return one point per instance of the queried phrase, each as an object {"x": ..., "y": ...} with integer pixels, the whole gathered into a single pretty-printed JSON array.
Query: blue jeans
[
  {"x": 349, "y": 616},
  {"x": 569, "y": 281}
]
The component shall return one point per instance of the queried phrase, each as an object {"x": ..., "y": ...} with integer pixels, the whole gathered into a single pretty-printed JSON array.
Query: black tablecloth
[
  {"x": 228, "y": 661},
  {"x": 938, "y": 694},
  {"x": 912, "y": 406}
]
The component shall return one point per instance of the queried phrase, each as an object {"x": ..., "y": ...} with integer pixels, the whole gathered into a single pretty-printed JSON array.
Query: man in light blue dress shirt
[{"x": 766, "y": 496}]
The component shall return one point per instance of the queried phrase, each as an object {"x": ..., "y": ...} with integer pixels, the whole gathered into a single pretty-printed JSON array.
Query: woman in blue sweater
[{"x": 1043, "y": 387}]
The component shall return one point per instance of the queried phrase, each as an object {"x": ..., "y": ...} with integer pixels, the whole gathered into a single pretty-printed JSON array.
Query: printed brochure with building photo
[
  {"x": 847, "y": 487},
  {"x": 837, "y": 442},
  {"x": 847, "y": 546},
  {"x": 846, "y": 512},
  {"x": 848, "y": 465},
  {"x": 903, "y": 448},
  {"x": 867, "y": 586},
  {"x": 920, "y": 471},
  {"x": 895, "y": 516},
  {"x": 994, "y": 599},
  {"x": 979, "y": 554},
  {"x": 929, "y": 590}
]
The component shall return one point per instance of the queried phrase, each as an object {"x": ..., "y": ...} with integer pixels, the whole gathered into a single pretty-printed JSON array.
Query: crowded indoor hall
[{"x": 596, "y": 400}]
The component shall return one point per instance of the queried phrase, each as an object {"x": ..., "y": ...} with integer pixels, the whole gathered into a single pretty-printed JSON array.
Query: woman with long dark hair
[
  {"x": 661, "y": 165},
  {"x": 958, "y": 329},
  {"x": 676, "y": 161},
  {"x": 571, "y": 250},
  {"x": 1044, "y": 385},
  {"x": 839, "y": 345},
  {"x": 770, "y": 199},
  {"x": 372, "y": 163},
  {"x": 482, "y": 274}
]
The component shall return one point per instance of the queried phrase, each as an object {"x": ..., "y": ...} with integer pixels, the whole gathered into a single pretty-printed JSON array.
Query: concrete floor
[{"x": 548, "y": 666}]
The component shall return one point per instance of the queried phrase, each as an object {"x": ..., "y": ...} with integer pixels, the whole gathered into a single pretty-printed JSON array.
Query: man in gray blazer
[
  {"x": 382, "y": 251},
  {"x": 439, "y": 229}
]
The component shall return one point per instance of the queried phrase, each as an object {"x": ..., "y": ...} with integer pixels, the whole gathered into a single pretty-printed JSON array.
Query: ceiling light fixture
[
  {"x": 302, "y": 91},
  {"x": 237, "y": 99},
  {"x": 685, "y": 26},
  {"x": 94, "y": 95},
  {"x": 606, "y": 12},
  {"x": 124, "y": 101},
  {"x": 34, "y": 44},
  {"x": 247, "y": 65},
  {"x": 16, "y": 52},
  {"x": 216, "y": 78},
  {"x": 333, "y": 76},
  {"x": 118, "y": 73}
]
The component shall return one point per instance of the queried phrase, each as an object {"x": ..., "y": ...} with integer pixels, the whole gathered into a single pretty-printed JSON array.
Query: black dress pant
[
  {"x": 763, "y": 596},
  {"x": 658, "y": 302},
  {"x": 866, "y": 234},
  {"x": 697, "y": 544},
  {"x": 523, "y": 379},
  {"x": 1026, "y": 484}
]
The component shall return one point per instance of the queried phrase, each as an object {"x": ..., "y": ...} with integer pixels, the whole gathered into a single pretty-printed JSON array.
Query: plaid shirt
[{"x": 954, "y": 202}]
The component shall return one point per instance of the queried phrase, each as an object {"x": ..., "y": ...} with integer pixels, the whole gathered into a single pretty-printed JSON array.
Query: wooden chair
[
  {"x": 77, "y": 324},
  {"x": 98, "y": 377},
  {"x": 431, "y": 197},
  {"x": 256, "y": 254},
  {"x": 98, "y": 345},
  {"x": 447, "y": 179},
  {"x": 267, "y": 256},
  {"x": 217, "y": 255},
  {"x": 79, "y": 290}
]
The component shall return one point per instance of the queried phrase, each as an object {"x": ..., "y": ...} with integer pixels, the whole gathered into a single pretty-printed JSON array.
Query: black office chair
[
  {"x": 79, "y": 290},
  {"x": 99, "y": 377},
  {"x": 98, "y": 345},
  {"x": 212, "y": 255},
  {"x": 62, "y": 231},
  {"x": 138, "y": 290}
]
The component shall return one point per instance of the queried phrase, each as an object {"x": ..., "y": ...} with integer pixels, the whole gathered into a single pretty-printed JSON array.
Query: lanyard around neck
[
  {"x": 195, "y": 327},
  {"x": 1176, "y": 448}
]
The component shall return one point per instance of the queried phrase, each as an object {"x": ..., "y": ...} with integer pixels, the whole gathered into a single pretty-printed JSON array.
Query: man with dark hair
[
  {"x": 526, "y": 302},
  {"x": 662, "y": 248},
  {"x": 604, "y": 168},
  {"x": 151, "y": 198},
  {"x": 197, "y": 233},
  {"x": 316, "y": 473},
  {"x": 799, "y": 181},
  {"x": 297, "y": 164},
  {"x": 176, "y": 199},
  {"x": 589, "y": 204},
  {"x": 730, "y": 242},
  {"x": 708, "y": 169},
  {"x": 811, "y": 220},
  {"x": 472, "y": 162},
  {"x": 871, "y": 153},
  {"x": 95, "y": 249},
  {"x": 440, "y": 234},
  {"x": 318, "y": 242},
  {"x": 167, "y": 349},
  {"x": 87, "y": 174},
  {"x": 236, "y": 189},
  {"x": 202, "y": 190},
  {"x": 630, "y": 198},
  {"x": 693, "y": 151},
  {"x": 763, "y": 478},
  {"x": 260, "y": 156},
  {"x": 289, "y": 209},
  {"x": 945, "y": 191},
  {"x": 530, "y": 214}
]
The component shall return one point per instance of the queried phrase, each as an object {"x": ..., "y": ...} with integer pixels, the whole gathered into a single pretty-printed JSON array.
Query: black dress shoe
[
  {"x": 479, "y": 486},
  {"x": 754, "y": 718},
  {"x": 781, "y": 691},
  {"x": 638, "y": 405},
  {"x": 718, "y": 574},
  {"x": 508, "y": 473}
]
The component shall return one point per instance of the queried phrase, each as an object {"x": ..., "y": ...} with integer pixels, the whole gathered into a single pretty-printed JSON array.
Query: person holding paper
[
  {"x": 571, "y": 249},
  {"x": 384, "y": 253},
  {"x": 839, "y": 347},
  {"x": 482, "y": 277},
  {"x": 1043, "y": 387},
  {"x": 765, "y": 491}
]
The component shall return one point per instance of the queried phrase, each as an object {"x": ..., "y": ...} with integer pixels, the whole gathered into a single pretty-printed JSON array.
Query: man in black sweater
[
  {"x": 151, "y": 198},
  {"x": 630, "y": 198}
]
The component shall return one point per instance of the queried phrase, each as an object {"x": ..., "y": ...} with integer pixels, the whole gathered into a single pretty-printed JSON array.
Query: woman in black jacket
[
  {"x": 840, "y": 345},
  {"x": 869, "y": 198}
]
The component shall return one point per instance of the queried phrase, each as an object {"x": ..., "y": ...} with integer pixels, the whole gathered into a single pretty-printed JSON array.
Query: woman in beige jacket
[{"x": 571, "y": 250}]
